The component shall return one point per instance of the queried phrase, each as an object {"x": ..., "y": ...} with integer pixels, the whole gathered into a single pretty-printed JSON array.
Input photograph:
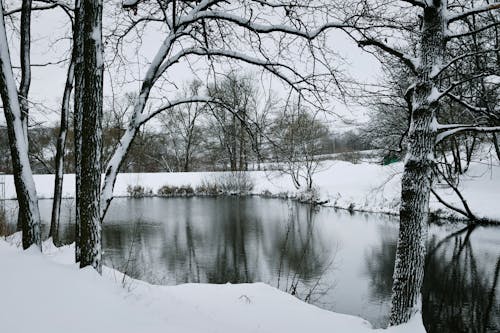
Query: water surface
[{"x": 339, "y": 261}]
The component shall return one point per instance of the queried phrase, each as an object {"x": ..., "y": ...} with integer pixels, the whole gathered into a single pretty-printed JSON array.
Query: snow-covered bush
[
  {"x": 138, "y": 191},
  {"x": 238, "y": 182},
  {"x": 176, "y": 191},
  {"x": 233, "y": 183},
  {"x": 208, "y": 188}
]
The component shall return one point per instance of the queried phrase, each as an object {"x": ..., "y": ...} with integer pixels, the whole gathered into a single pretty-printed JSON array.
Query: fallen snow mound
[{"x": 48, "y": 293}]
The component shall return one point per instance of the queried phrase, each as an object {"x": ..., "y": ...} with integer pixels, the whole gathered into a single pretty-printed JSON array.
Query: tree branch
[
  {"x": 441, "y": 136},
  {"x": 473, "y": 11}
]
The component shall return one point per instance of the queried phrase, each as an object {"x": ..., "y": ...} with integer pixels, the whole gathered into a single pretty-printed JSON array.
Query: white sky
[{"x": 49, "y": 44}]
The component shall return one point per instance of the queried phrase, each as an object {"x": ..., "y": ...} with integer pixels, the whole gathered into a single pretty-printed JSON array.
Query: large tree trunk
[
  {"x": 23, "y": 177},
  {"x": 60, "y": 149},
  {"x": 418, "y": 176},
  {"x": 89, "y": 69}
]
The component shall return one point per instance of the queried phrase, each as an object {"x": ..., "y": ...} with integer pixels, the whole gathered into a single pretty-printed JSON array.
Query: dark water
[{"x": 336, "y": 260}]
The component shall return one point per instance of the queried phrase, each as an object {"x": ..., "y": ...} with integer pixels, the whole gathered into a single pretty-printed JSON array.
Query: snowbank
[
  {"x": 47, "y": 293},
  {"x": 365, "y": 186}
]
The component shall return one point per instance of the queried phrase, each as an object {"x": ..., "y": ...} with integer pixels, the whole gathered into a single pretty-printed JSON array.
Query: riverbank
[
  {"x": 63, "y": 298},
  {"x": 367, "y": 187}
]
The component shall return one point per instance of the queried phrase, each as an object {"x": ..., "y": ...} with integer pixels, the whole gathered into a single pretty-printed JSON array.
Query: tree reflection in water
[
  {"x": 458, "y": 294},
  {"x": 292, "y": 246},
  {"x": 304, "y": 256}
]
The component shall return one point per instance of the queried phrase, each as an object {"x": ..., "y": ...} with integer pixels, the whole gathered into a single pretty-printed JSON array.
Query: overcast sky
[{"x": 50, "y": 43}]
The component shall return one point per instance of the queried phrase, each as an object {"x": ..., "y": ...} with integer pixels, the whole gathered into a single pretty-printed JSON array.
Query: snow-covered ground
[
  {"x": 366, "y": 186},
  {"x": 48, "y": 293}
]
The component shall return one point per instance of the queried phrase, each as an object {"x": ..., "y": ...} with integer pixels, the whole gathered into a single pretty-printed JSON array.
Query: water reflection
[
  {"x": 336, "y": 260},
  {"x": 461, "y": 289}
]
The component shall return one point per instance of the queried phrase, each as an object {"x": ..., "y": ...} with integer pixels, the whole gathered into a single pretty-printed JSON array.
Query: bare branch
[
  {"x": 473, "y": 32},
  {"x": 473, "y": 11},
  {"x": 409, "y": 61}
]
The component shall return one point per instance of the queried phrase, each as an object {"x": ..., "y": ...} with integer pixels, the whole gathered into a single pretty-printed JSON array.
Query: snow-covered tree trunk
[
  {"x": 60, "y": 149},
  {"x": 418, "y": 175},
  {"x": 24, "y": 86},
  {"x": 119, "y": 155},
  {"x": 23, "y": 177},
  {"x": 25, "y": 64},
  {"x": 123, "y": 147},
  {"x": 77, "y": 125},
  {"x": 88, "y": 103}
]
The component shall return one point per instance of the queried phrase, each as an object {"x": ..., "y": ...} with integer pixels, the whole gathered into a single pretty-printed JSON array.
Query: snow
[
  {"x": 365, "y": 186},
  {"x": 48, "y": 293}
]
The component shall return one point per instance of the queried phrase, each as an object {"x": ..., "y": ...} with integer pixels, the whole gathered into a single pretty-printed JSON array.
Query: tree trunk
[
  {"x": 60, "y": 150},
  {"x": 418, "y": 176},
  {"x": 495, "y": 144},
  {"x": 243, "y": 152},
  {"x": 24, "y": 86},
  {"x": 77, "y": 126},
  {"x": 233, "y": 154},
  {"x": 89, "y": 69},
  {"x": 23, "y": 177}
]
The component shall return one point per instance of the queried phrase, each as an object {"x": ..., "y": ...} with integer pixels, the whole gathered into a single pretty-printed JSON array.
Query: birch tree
[
  {"x": 432, "y": 24},
  {"x": 29, "y": 214}
]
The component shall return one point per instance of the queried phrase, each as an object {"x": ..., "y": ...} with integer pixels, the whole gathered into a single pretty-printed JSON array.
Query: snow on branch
[
  {"x": 438, "y": 70},
  {"x": 473, "y": 11},
  {"x": 411, "y": 62},
  {"x": 270, "y": 66},
  {"x": 259, "y": 28},
  {"x": 18, "y": 10},
  {"x": 443, "y": 135},
  {"x": 466, "y": 104},
  {"x": 440, "y": 94}
]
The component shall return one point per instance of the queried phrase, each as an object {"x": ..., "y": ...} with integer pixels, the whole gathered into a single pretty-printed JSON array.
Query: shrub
[
  {"x": 138, "y": 191},
  {"x": 235, "y": 183},
  {"x": 208, "y": 188},
  {"x": 175, "y": 191}
]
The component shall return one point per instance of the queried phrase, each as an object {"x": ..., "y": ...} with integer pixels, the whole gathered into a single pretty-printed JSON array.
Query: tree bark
[
  {"x": 418, "y": 175},
  {"x": 25, "y": 46},
  {"x": 24, "y": 86},
  {"x": 23, "y": 177},
  {"x": 88, "y": 101},
  {"x": 77, "y": 125},
  {"x": 60, "y": 150}
]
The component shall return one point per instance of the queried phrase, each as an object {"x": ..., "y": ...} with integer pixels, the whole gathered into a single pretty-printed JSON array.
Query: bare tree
[
  {"x": 182, "y": 128},
  {"x": 61, "y": 145},
  {"x": 88, "y": 106},
  {"x": 23, "y": 177},
  {"x": 215, "y": 29},
  {"x": 238, "y": 100},
  {"x": 298, "y": 143},
  {"x": 437, "y": 23}
]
